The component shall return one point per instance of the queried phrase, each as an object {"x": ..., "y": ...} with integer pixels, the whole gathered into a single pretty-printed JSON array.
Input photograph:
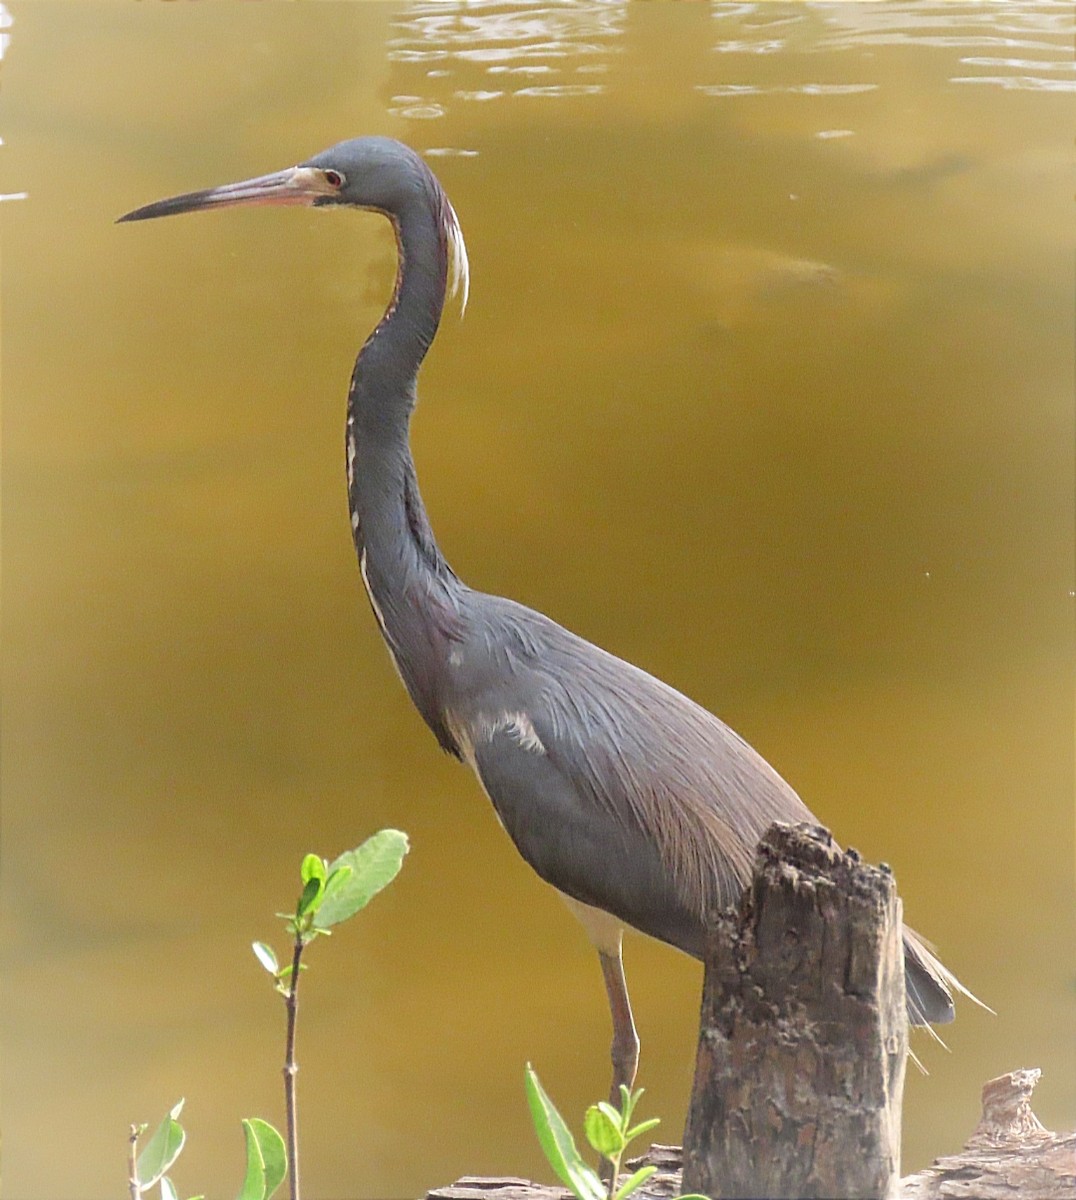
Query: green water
[{"x": 765, "y": 384}]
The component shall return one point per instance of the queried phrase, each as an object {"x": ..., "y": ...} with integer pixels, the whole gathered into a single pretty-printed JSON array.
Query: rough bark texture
[{"x": 803, "y": 1036}]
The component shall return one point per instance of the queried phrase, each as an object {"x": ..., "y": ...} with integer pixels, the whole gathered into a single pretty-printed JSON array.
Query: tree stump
[{"x": 804, "y": 1034}]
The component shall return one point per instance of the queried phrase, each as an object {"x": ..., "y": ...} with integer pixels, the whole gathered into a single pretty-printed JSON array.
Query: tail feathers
[{"x": 930, "y": 985}]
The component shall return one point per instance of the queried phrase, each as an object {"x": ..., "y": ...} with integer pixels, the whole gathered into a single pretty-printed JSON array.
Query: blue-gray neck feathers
[{"x": 413, "y": 590}]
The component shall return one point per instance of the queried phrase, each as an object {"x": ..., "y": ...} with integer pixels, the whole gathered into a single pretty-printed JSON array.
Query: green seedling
[
  {"x": 608, "y": 1131},
  {"x": 331, "y": 894}
]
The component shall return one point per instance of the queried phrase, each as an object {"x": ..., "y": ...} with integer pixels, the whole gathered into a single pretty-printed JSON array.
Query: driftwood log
[{"x": 1009, "y": 1156}]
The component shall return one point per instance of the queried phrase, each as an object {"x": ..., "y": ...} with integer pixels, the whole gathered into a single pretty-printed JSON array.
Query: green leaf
[
  {"x": 161, "y": 1150},
  {"x": 274, "y": 1155},
  {"x": 313, "y": 868},
  {"x": 168, "y": 1189},
  {"x": 337, "y": 877},
  {"x": 633, "y": 1181},
  {"x": 266, "y": 956},
  {"x": 285, "y": 972},
  {"x": 603, "y": 1130},
  {"x": 267, "y": 1160},
  {"x": 557, "y": 1143},
  {"x": 308, "y": 901},
  {"x": 373, "y": 865},
  {"x": 611, "y": 1113},
  {"x": 641, "y": 1128}
]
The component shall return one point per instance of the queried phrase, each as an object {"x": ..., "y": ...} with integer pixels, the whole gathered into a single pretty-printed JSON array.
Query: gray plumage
[{"x": 623, "y": 794}]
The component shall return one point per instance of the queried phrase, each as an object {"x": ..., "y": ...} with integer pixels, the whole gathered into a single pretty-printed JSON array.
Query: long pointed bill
[{"x": 296, "y": 185}]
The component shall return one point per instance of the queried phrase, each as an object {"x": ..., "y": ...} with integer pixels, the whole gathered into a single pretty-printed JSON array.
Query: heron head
[{"x": 375, "y": 173}]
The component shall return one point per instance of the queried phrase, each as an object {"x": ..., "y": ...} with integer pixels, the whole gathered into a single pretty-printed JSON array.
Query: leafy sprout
[
  {"x": 330, "y": 894},
  {"x": 608, "y": 1130}
]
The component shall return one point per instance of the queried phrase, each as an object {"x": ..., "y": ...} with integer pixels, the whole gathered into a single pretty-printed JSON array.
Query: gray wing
[
  {"x": 626, "y": 795},
  {"x": 572, "y": 845},
  {"x": 617, "y": 789}
]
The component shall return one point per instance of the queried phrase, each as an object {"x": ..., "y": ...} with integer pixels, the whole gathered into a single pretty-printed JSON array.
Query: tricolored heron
[{"x": 640, "y": 807}]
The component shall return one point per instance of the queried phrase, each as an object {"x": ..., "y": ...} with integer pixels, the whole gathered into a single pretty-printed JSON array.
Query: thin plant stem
[
  {"x": 132, "y": 1164},
  {"x": 291, "y": 1003},
  {"x": 614, "y": 1174}
]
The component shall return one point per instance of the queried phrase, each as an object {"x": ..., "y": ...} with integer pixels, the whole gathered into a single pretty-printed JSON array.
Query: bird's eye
[{"x": 334, "y": 178}]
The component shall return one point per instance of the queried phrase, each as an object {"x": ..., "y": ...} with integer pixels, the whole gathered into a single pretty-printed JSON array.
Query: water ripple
[
  {"x": 1019, "y": 83},
  {"x": 481, "y": 96},
  {"x": 1018, "y": 64},
  {"x": 488, "y": 30},
  {"x": 521, "y": 44},
  {"x": 533, "y": 46},
  {"x": 748, "y": 46},
  {"x": 416, "y": 107},
  {"x": 563, "y": 89},
  {"x": 1006, "y": 31},
  {"x": 793, "y": 89}
]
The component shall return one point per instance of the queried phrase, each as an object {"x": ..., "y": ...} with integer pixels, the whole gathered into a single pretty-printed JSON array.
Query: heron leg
[{"x": 625, "y": 1048}]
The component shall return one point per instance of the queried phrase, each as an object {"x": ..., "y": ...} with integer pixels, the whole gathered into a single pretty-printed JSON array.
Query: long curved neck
[
  {"x": 383, "y": 384},
  {"x": 414, "y": 593}
]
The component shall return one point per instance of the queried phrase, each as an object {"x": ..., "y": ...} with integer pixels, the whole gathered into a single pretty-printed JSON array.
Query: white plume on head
[{"x": 459, "y": 269}]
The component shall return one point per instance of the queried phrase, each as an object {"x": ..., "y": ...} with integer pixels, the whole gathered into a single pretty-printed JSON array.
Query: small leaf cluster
[
  {"x": 334, "y": 892},
  {"x": 267, "y": 1163},
  {"x": 608, "y": 1131}
]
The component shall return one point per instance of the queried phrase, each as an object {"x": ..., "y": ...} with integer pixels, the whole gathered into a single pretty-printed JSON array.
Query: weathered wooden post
[{"x": 804, "y": 1034}]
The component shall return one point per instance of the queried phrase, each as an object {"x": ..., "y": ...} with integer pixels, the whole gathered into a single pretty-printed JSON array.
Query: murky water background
[{"x": 765, "y": 384}]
